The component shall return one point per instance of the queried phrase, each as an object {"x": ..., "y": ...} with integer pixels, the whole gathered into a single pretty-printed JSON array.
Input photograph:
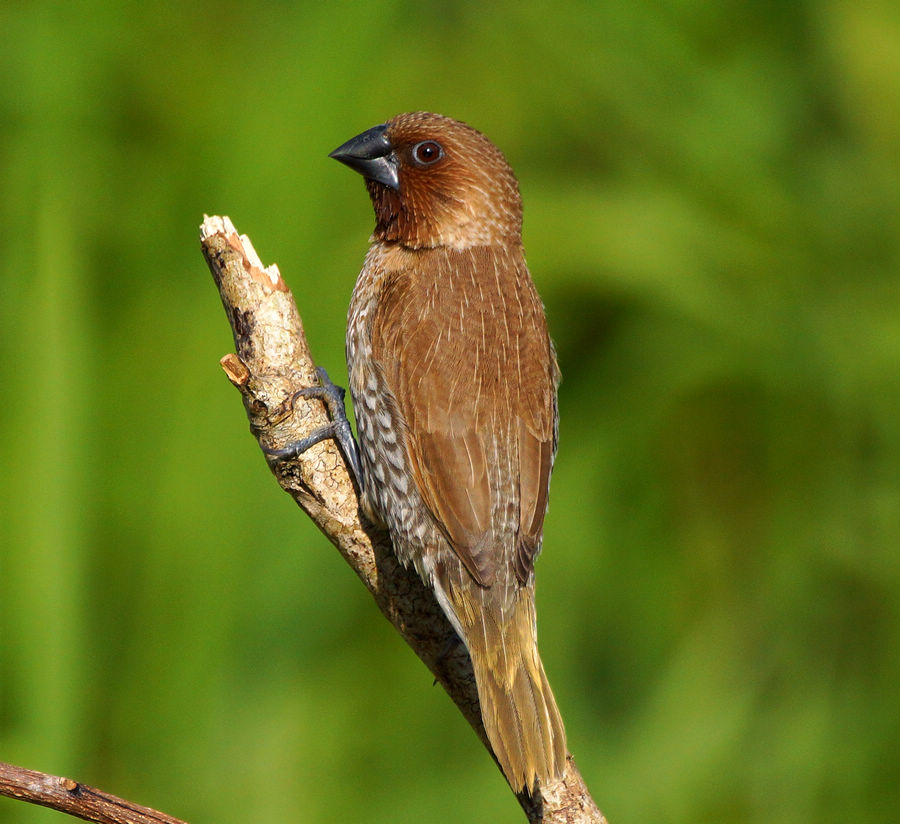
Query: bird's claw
[{"x": 339, "y": 428}]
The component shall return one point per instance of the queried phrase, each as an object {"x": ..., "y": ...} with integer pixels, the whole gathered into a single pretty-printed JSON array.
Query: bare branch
[
  {"x": 271, "y": 364},
  {"x": 76, "y": 799}
]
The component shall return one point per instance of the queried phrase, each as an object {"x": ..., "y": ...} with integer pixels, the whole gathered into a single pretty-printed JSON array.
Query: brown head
[{"x": 435, "y": 181}]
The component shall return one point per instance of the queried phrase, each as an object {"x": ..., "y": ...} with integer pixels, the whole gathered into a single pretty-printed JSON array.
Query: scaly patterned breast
[{"x": 389, "y": 494}]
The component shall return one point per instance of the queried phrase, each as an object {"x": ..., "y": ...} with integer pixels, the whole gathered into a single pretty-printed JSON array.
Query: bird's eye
[{"x": 427, "y": 152}]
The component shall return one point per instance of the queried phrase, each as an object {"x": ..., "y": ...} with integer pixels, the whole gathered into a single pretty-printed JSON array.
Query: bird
[{"x": 454, "y": 378}]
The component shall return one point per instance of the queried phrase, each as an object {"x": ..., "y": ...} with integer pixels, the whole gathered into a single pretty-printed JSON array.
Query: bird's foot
[{"x": 338, "y": 429}]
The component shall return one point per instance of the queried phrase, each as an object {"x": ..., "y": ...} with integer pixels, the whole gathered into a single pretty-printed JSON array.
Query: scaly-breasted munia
[{"x": 453, "y": 378}]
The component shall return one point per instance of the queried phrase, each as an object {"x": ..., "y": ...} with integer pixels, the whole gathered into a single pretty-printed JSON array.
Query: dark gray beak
[{"x": 372, "y": 155}]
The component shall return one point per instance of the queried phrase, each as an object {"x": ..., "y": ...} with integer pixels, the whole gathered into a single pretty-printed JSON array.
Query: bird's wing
[{"x": 462, "y": 345}]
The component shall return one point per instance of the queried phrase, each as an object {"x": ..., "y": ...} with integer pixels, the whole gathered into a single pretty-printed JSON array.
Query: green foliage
[{"x": 713, "y": 219}]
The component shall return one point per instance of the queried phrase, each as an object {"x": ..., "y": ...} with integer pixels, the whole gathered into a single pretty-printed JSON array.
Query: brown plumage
[{"x": 453, "y": 378}]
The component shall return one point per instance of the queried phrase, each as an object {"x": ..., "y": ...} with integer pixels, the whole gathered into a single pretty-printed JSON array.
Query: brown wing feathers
[{"x": 468, "y": 400}]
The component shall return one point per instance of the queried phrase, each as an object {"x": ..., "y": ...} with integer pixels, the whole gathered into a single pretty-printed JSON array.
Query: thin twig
[{"x": 76, "y": 799}]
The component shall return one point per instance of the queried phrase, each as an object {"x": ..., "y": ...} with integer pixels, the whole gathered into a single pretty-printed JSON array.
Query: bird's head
[{"x": 435, "y": 181}]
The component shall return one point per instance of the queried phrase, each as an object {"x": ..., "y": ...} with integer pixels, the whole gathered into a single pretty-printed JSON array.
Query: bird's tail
[{"x": 519, "y": 712}]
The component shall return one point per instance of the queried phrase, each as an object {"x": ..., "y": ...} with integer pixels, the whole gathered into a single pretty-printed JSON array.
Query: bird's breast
[{"x": 389, "y": 492}]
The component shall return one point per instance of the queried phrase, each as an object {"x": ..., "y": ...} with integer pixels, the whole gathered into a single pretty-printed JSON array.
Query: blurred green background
[{"x": 712, "y": 216}]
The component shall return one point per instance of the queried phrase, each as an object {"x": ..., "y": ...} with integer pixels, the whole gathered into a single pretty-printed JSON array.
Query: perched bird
[{"x": 453, "y": 378}]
